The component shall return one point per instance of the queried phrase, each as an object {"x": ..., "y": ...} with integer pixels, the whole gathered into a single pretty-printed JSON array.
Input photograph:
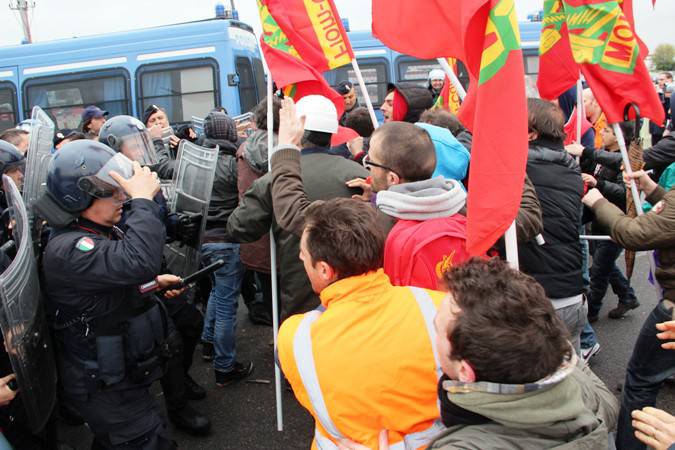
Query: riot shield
[
  {"x": 22, "y": 320},
  {"x": 40, "y": 144},
  {"x": 198, "y": 125},
  {"x": 190, "y": 195}
]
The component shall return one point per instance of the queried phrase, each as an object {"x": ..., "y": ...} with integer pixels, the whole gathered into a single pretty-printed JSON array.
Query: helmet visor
[
  {"x": 101, "y": 185},
  {"x": 139, "y": 147}
]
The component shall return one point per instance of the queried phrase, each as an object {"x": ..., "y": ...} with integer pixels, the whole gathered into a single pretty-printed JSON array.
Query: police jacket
[
  {"x": 91, "y": 275},
  {"x": 556, "y": 177}
]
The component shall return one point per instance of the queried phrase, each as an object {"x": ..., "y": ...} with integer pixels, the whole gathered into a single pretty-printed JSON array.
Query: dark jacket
[
  {"x": 225, "y": 195},
  {"x": 653, "y": 230},
  {"x": 324, "y": 177},
  {"x": 556, "y": 265},
  {"x": 252, "y": 163},
  {"x": 660, "y": 156},
  {"x": 166, "y": 160}
]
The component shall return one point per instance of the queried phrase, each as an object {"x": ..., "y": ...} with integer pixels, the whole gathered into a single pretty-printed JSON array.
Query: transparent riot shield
[
  {"x": 22, "y": 320},
  {"x": 40, "y": 144},
  {"x": 189, "y": 195}
]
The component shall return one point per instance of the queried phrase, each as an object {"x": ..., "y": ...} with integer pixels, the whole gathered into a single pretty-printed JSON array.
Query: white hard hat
[
  {"x": 320, "y": 113},
  {"x": 436, "y": 74}
]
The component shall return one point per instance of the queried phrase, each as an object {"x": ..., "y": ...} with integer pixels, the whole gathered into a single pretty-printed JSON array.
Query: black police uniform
[{"x": 111, "y": 342}]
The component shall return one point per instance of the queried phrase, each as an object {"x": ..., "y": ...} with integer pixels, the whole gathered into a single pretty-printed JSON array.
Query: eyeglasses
[{"x": 368, "y": 164}]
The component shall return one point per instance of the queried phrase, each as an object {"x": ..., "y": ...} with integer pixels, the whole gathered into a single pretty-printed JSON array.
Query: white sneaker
[{"x": 588, "y": 353}]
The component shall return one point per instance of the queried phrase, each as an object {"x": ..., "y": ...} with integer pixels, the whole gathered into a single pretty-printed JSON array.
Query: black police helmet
[
  {"x": 116, "y": 129},
  {"x": 67, "y": 179},
  {"x": 10, "y": 157}
]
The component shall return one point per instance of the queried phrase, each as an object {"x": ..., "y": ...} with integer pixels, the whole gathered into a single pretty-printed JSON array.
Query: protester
[
  {"x": 92, "y": 119},
  {"x": 435, "y": 82},
  {"x": 338, "y": 358},
  {"x": 221, "y": 313},
  {"x": 650, "y": 365},
  {"x": 452, "y": 158},
  {"x": 16, "y": 137},
  {"x": 594, "y": 115},
  {"x": 252, "y": 163},
  {"x": 405, "y": 103},
  {"x": 324, "y": 178},
  {"x": 422, "y": 217},
  {"x": 524, "y": 390},
  {"x": 348, "y": 92},
  {"x": 556, "y": 264},
  {"x": 359, "y": 121}
]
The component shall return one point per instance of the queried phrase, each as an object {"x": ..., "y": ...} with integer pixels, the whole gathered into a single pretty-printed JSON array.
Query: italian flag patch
[{"x": 85, "y": 244}]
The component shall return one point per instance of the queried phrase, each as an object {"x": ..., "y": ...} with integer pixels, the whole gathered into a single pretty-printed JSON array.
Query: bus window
[
  {"x": 531, "y": 65},
  {"x": 416, "y": 72},
  {"x": 260, "y": 82},
  {"x": 7, "y": 106},
  {"x": 247, "y": 93},
  {"x": 374, "y": 76},
  {"x": 183, "y": 89},
  {"x": 64, "y": 97}
]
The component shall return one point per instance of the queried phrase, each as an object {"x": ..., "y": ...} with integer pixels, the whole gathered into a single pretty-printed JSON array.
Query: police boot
[
  {"x": 188, "y": 419},
  {"x": 193, "y": 390}
]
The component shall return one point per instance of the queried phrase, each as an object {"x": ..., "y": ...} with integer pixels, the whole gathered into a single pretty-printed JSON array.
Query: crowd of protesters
[{"x": 391, "y": 336}]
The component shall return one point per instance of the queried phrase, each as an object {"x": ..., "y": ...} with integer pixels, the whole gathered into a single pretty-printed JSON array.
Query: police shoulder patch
[{"x": 85, "y": 244}]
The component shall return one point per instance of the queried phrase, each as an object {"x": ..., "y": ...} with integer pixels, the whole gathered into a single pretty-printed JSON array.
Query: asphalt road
[{"x": 243, "y": 415}]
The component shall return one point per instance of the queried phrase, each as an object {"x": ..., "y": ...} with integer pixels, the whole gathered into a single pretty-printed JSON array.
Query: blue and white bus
[
  {"x": 187, "y": 68},
  {"x": 380, "y": 65}
]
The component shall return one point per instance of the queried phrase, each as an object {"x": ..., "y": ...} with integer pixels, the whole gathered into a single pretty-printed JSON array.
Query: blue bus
[
  {"x": 187, "y": 68},
  {"x": 380, "y": 65}
]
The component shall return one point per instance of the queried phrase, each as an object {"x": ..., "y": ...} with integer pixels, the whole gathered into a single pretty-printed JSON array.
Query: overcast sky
[{"x": 55, "y": 19}]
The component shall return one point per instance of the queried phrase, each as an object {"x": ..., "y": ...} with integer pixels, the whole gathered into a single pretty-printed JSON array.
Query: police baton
[{"x": 153, "y": 286}]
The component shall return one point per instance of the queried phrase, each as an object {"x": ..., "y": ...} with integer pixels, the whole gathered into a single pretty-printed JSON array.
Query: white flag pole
[
  {"x": 511, "y": 243},
  {"x": 453, "y": 77},
  {"x": 580, "y": 109},
  {"x": 273, "y": 254},
  {"x": 364, "y": 92}
]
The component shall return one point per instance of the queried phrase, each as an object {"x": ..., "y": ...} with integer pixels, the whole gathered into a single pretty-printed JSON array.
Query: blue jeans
[
  {"x": 648, "y": 368},
  {"x": 588, "y": 337},
  {"x": 605, "y": 272},
  {"x": 221, "y": 312}
]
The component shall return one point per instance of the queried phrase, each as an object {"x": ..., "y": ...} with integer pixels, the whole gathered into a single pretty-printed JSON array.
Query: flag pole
[
  {"x": 511, "y": 243},
  {"x": 580, "y": 109},
  {"x": 273, "y": 254},
  {"x": 453, "y": 77},
  {"x": 364, "y": 92}
]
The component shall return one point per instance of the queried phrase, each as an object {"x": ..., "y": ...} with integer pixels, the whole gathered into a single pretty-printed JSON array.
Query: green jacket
[
  {"x": 650, "y": 231},
  {"x": 324, "y": 177},
  {"x": 577, "y": 413}
]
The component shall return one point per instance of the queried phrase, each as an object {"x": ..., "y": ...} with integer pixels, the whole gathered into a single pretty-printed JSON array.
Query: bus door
[
  {"x": 9, "y": 80},
  {"x": 250, "y": 80}
]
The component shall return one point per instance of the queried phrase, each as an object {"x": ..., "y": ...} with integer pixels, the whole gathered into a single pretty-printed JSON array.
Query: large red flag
[
  {"x": 314, "y": 29},
  {"x": 295, "y": 76},
  {"x": 484, "y": 35},
  {"x": 449, "y": 97},
  {"x": 611, "y": 57},
  {"x": 557, "y": 69}
]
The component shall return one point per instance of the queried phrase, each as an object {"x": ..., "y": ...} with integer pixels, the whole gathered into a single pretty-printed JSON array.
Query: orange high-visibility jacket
[{"x": 366, "y": 363}]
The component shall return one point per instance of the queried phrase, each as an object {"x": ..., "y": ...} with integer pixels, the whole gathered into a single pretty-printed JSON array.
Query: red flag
[
  {"x": 290, "y": 72},
  {"x": 314, "y": 29},
  {"x": 611, "y": 57},
  {"x": 448, "y": 97},
  {"x": 557, "y": 69},
  {"x": 484, "y": 35},
  {"x": 571, "y": 127}
]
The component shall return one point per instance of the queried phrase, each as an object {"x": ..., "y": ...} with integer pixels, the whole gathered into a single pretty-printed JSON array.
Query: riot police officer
[
  {"x": 128, "y": 135},
  {"x": 111, "y": 341}
]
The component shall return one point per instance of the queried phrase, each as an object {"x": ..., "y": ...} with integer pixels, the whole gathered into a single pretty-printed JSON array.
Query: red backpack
[{"x": 418, "y": 252}]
